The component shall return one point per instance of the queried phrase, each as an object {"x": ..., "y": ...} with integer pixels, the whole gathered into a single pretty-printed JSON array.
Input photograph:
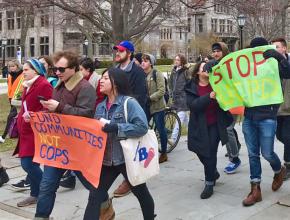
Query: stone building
[{"x": 175, "y": 34}]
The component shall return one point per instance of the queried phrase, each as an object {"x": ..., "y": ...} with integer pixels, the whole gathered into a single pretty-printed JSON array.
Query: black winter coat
[{"x": 198, "y": 139}]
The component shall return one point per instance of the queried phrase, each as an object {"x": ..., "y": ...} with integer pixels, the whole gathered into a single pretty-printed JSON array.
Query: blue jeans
[
  {"x": 34, "y": 174},
  {"x": 48, "y": 187},
  {"x": 158, "y": 118},
  {"x": 259, "y": 136}
]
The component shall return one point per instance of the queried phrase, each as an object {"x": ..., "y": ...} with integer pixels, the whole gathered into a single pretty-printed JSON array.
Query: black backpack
[{"x": 166, "y": 94}]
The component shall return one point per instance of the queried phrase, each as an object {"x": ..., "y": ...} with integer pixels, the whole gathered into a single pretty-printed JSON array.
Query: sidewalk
[{"x": 175, "y": 191}]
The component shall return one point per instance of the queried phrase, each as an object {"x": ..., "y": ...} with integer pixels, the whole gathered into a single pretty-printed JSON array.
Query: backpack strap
[
  {"x": 154, "y": 75},
  {"x": 126, "y": 108}
]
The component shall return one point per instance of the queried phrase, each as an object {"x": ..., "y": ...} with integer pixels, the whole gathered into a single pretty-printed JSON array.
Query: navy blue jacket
[{"x": 269, "y": 111}]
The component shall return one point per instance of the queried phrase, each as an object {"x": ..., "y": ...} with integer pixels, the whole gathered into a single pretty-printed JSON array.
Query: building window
[
  {"x": 0, "y": 22},
  {"x": 200, "y": 25},
  {"x": 189, "y": 24},
  {"x": 214, "y": 25},
  {"x": 222, "y": 25},
  {"x": 230, "y": 26},
  {"x": 44, "y": 19},
  {"x": 10, "y": 48},
  {"x": 166, "y": 33},
  {"x": 10, "y": 20},
  {"x": 44, "y": 46},
  {"x": 18, "y": 19},
  {"x": 32, "y": 46}
]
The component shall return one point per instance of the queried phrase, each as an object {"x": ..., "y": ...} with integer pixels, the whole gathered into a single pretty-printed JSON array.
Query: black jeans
[
  {"x": 209, "y": 162},
  {"x": 108, "y": 176},
  {"x": 11, "y": 115},
  {"x": 283, "y": 135},
  {"x": 47, "y": 193}
]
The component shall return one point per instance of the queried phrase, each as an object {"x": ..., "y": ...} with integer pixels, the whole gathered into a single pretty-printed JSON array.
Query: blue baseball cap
[{"x": 124, "y": 45}]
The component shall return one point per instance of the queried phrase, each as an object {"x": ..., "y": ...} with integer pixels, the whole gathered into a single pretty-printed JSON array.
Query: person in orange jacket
[{"x": 15, "y": 78}]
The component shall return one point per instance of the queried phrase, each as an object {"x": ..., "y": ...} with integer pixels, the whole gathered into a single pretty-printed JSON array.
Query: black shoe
[
  {"x": 22, "y": 185},
  {"x": 4, "y": 178},
  {"x": 68, "y": 181},
  {"x": 207, "y": 192}
]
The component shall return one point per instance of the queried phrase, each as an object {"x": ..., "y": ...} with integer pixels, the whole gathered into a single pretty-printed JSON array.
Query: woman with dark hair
[
  {"x": 207, "y": 125},
  {"x": 114, "y": 84},
  {"x": 35, "y": 85},
  {"x": 87, "y": 68},
  {"x": 48, "y": 64}
]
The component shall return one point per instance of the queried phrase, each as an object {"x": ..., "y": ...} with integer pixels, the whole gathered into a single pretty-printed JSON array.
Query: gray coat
[{"x": 177, "y": 81}]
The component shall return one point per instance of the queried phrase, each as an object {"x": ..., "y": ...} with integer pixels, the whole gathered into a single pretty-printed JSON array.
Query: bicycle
[{"x": 170, "y": 119}]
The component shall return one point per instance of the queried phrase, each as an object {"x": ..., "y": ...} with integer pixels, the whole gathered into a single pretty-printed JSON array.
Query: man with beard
[{"x": 137, "y": 82}]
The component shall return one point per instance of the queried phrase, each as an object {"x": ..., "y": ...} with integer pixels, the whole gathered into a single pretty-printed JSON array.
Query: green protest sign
[{"x": 245, "y": 78}]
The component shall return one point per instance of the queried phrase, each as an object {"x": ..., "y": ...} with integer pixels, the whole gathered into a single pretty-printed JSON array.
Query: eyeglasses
[{"x": 60, "y": 69}]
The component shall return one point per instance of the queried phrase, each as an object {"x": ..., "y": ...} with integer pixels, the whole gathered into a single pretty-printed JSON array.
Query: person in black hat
[
  {"x": 138, "y": 58},
  {"x": 259, "y": 128},
  {"x": 219, "y": 51}
]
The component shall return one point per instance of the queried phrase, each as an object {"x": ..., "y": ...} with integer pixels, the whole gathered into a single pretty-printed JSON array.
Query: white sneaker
[{"x": 2, "y": 140}]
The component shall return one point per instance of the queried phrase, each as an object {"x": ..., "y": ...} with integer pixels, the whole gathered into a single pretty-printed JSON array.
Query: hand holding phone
[{"x": 41, "y": 98}]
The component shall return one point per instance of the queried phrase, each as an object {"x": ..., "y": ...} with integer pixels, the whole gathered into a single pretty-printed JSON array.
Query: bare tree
[
  {"x": 265, "y": 18},
  {"x": 119, "y": 19}
]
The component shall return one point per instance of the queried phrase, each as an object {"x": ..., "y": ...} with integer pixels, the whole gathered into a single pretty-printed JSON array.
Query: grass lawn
[{"x": 4, "y": 110}]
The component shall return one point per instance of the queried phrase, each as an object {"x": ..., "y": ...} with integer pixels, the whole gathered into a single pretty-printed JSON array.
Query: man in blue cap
[{"x": 137, "y": 82}]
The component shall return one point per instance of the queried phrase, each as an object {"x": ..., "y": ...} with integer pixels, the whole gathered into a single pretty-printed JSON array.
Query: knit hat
[
  {"x": 151, "y": 59},
  {"x": 38, "y": 66},
  {"x": 258, "y": 41},
  {"x": 216, "y": 46},
  {"x": 138, "y": 57}
]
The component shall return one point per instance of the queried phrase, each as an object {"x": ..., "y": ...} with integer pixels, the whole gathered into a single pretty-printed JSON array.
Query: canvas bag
[{"x": 141, "y": 155}]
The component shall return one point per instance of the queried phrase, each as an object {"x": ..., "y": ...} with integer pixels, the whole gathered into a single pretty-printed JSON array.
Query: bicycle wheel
[{"x": 170, "y": 119}]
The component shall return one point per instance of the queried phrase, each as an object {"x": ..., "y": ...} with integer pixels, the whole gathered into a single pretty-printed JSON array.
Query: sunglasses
[{"x": 60, "y": 69}]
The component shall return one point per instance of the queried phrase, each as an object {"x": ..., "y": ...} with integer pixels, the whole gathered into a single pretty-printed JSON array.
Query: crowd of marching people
[{"x": 66, "y": 84}]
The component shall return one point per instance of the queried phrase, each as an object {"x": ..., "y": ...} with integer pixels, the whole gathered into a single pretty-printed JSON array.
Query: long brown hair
[
  {"x": 195, "y": 76},
  {"x": 182, "y": 59}
]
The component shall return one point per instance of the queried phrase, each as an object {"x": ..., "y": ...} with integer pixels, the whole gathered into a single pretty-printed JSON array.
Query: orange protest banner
[{"x": 69, "y": 142}]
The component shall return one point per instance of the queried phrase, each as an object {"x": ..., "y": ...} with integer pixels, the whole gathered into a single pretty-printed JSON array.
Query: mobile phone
[{"x": 41, "y": 98}]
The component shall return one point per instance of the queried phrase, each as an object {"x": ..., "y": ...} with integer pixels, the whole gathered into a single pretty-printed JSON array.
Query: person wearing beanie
[
  {"x": 259, "y": 128},
  {"x": 156, "y": 90},
  {"x": 35, "y": 84},
  {"x": 220, "y": 50}
]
